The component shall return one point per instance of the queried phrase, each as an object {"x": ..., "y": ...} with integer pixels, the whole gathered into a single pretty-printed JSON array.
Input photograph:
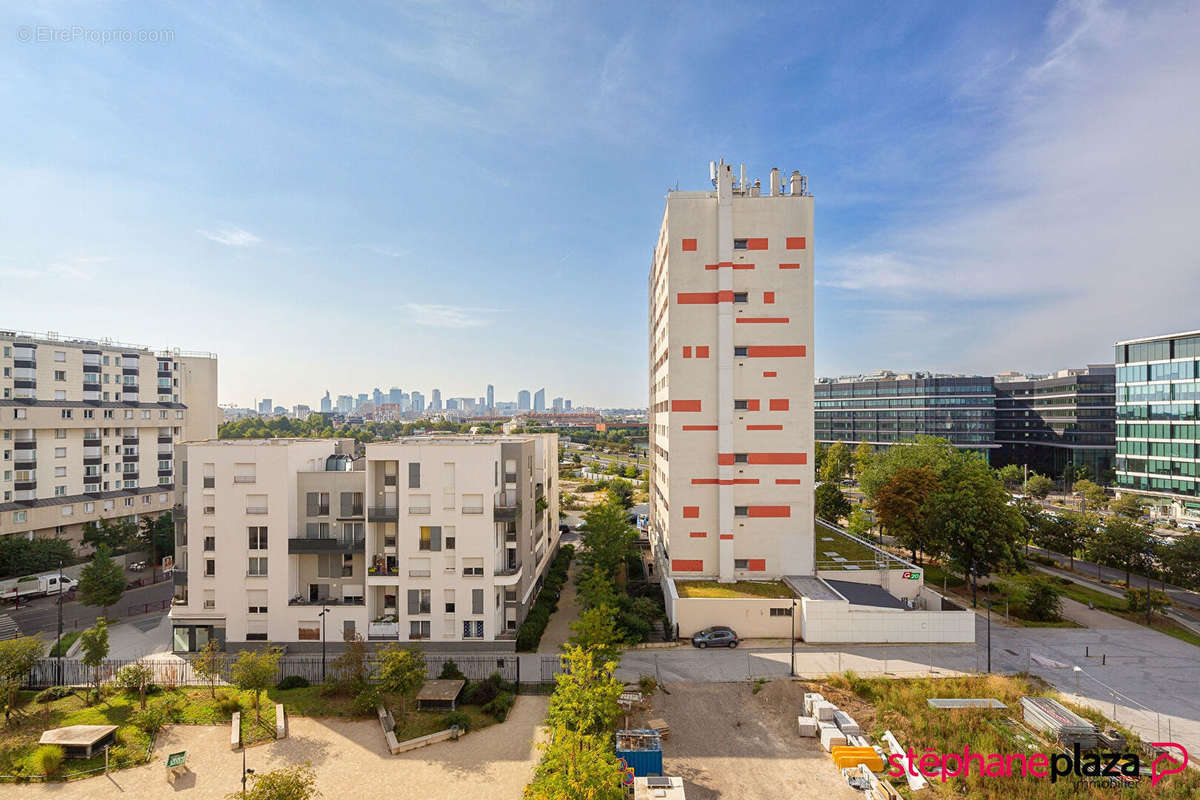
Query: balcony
[
  {"x": 383, "y": 630},
  {"x": 130, "y": 440},
  {"x": 179, "y": 512},
  {"x": 329, "y": 601},
  {"x": 300, "y": 545},
  {"x": 392, "y": 572},
  {"x": 164, "y": 439},
  {"x": 383, "y": 514},
  {"x": 505, "y": 513},
  {"x": 510, "y": 477}
]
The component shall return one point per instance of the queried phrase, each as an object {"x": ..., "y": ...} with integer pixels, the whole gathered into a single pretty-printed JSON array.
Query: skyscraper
[
  {"x": 491, "y": 396},
  {"x": 557, "y": 404},
  {"x": 436, "y": 401},
  {"x": 362, "y": 400},
  {"x": 452, "y": 404},
  {"x": 394, "y": 395},
  {"x": 567, "y": 405},
  {"x": 345, "y": 403},
  {"x": 264, "y": 406},
  {"x": 418, "y": 402},
  {"x": 377, "y": 397},
  {"x": 539, "y": 400},
  {"x": 326, "y": 403},
  {"x": 523, "y": 400},
  {"x": 731, "y": 377}
]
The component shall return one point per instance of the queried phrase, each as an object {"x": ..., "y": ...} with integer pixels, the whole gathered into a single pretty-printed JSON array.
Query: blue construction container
[{"x": 641, "y": 750}]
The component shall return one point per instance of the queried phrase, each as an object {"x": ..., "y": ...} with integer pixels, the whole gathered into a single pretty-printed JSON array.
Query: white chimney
[
  {"x": 776, "y": 189},
  {"x": 742, "y": 182},
  {"x": 797, "y": 182},
  {"x": 712, "y": 171}
]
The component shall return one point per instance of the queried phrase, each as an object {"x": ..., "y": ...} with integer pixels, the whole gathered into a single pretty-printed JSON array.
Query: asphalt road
[{"x": 40, "y": 615}]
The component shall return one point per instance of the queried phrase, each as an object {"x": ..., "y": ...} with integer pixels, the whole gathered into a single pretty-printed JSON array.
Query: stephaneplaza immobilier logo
[{"x": 931, "y": 764}]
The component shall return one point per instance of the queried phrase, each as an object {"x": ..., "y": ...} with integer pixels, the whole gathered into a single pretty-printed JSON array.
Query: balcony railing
[
  {"x": 472, "y": 509},
  {"x": 504, "y": 513},
  {"x": 510, "y": 570},
  {"x": 385, "y": 571},
  {"x": 179, "y": 512},
  {"x": 300, "y": 545},
  {"x": 383, "y": 513},
  {"x": 210, "y": 483},
  {"x": 418, "y": 573},
  {"x": 256, "y": 509},
  {"x": 510, "y": 477},
  {"x": 383, "y": 630},
  {"x": 329, "y": 601},
  {"x": 243, "y": 479},
  {"x": 419, "y": 509}
]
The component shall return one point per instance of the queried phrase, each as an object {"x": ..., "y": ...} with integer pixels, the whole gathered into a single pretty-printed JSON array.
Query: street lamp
[
  {"x": 793, "y": 637},
  {"x": 989, "y": 628},
  {"x": 58, "y": 641},
  {"x": 324, "y": 611},
  {"x": 245, "y": 771}
]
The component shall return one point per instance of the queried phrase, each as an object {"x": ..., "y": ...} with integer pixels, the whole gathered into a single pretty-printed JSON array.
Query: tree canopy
[
  {"x": 829, "y": 503},
  {"x": 101, "y": 582},
  {"x": 901, "y": 506}
]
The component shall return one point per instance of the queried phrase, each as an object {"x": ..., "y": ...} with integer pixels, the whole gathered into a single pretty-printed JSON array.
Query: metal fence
[{"x": 180, "y": 672}]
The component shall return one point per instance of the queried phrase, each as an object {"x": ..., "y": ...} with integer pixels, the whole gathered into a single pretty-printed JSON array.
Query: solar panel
[
  {"x": 965, "y": 702},
  {"x": 658, "y": 783}
]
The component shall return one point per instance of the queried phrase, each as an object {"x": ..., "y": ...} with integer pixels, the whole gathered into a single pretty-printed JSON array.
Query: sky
[{"x": 446, "y": 195}]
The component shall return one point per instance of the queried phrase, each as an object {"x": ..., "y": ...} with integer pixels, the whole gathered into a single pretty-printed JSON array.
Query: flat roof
[
  {"x": 440, "y": 689},
  {"x": 77, "y": 735},
  {"x": 866, "y": 594},
  {"x": 1158, "y": 338},
  {"x": 810, "y": 586}
]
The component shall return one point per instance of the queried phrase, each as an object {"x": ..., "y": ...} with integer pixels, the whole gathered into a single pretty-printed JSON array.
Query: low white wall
[
  {"x": 832, "y": 621},
  {"x": 670, "y": 598},
  {"x": 750, "y": 616},
  {"x": 893, "y": 581}
]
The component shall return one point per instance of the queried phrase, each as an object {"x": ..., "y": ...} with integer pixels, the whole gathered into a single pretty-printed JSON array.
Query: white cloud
[
  {"x": 1079, "y": 228},
  {"x": 70, "y": 267},
  {"x": 231, "y": 235},
  {"x": 434, "y": 315}
]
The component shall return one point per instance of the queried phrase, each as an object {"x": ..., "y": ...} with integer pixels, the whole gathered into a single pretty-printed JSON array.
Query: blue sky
[{"x": 346, "y": 196}]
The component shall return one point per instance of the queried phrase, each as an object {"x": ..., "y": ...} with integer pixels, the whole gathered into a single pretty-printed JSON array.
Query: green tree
[
  {"x": 862, "y": 457},
  {"x": 1181, "y": 561},
  {"x": 819, "y": 451},
  {"x": 860, "y": 522},
  {"x": 829, "y": 503},
  {"x": 577, "y": 458},
  {"x": 20, "y": 556},
  {"x": 1128, "y": 505},
  {"x": 1066, "y": 535},
  {"x": 210, "y": 664},
  {"x": 351, "y": 666},
  {"x": 620, "y": 491},
  {"x": 401, "y": 672},
  {"x": 931, "y": 452},
  {"x": 608, "y": 538},
  {"x": 1135, "y": 600},
  {"x": 836, "y": 463},
  {"x": 254, "y": 671},
  {"x": 136, "y": 679},
  {"x": 110, "y": 534},
  {"x": 596, "y": 588},
  {"x": 577, "y": 766},
  {"x": 1093, "y": 494},
  {"x": 17, "y": 657},
  {"x": 1038, "y": 486},
  {"x": 94, "y": 645},
  {"x": 631, "y": 471},
  {"x": 901, "y": 507},
  {"x": 1011, "y": 475},
  {"x": 157, "y": 534},
  {"x": 286, "y": 783},
  {"x": 102, "y": 582},
  {"x": 1122, "y": 543},
  {"x": 978, "y": 530},
  {"x": 585, "y": 695},
  {"x": 596, "y": 630}
]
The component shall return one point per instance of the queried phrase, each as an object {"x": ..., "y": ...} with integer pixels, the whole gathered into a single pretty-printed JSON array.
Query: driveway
[
  {"x": 348, "y": 757},
  {"x": 727, "y": 742},
  {"x": 558, "y": 630}
]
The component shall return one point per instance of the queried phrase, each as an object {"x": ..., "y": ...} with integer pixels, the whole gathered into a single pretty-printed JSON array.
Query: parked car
[
  {"x": 716, "y": 636},
  {"x": 564, "y": 528}
]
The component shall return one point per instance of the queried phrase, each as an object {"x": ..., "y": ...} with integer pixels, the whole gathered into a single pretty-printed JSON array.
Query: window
[
  {"x": 741, "y": 563},
  {"x": 418, "y": 601},
  {"x": 256, "y": 609},
  {"x": 210, "y": 567},
  {"x": 128, "y": 414},
  {"x": 210, "y": 543},
  {"x": 741, "y": 458},
  {"x": 448, "y": 537},
  {"x": 741, "y": 405},
  {"x": 60, "y": 452},
  {"x": 472, "y": 504},
  {"x": 781, "y": 612},
  {"x": 477, "y": 601},
  {"x": 741, "y": 297},
  {"x": 60, "y": 374},
  {"x": 414, "y": 475},
  {"x": 317, "y": 504},
  {"x": 60, "y": 433},
  {"x": 258, "y": 537},
  {"x": 60, "y": 491},
  {"x": 473, "y": 566},
  {"x": 60, "y": 394},
  {"x": 19, "y": 516},
  {"x": 309, "y": 631},
  {"x": 418, "y": 629},
  {"x": 740, "y": 351},
  {"x": 18, "y": 413},
  {"x": 430, "y": 538},
  {"x": 449, "y": 601},
  {"x": 257, "y": 566},
  {"x": 60, "y": 472},
  {"x": 352, "y": 504},
  {"x": 60, "y": 355},
  {"x": 65, "y": 413},
  {"x": 89, "y": 413},
  {"x": 88, "y": 508},
  {"x": 67, "y": 511},
  {"x": 741, "y": 511},
  {"x": 741, "y": 244},
  {"x": 473, "y": 629}
]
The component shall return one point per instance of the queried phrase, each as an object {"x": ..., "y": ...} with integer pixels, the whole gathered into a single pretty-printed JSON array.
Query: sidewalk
[
  {"x": 139, "y": 637},
  {"x": 558, "y": 631}
]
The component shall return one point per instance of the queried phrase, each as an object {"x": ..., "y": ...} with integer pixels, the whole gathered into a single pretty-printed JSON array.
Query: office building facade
[
  {"x": 731, "y": 382},
  {"x": 88, "y": 429},
  {"x": 1158, "y": 438}
]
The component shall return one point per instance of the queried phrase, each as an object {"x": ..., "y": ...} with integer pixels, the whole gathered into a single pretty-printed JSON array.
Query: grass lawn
[
  {"x": 65, "y": 643},
  {"x": 845, "y": 547},
  {"x": 1116, "y": 605},
  {"x": 421, "y": 723},
  {"x": 900, "y": 706},
  {"x": 738, "y": 589}
]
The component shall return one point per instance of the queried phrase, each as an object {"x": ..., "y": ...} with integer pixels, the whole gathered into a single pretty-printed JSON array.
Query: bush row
[{"x": 530, "y": 632}]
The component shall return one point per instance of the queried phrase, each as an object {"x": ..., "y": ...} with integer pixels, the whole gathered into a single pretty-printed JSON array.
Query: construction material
[
  {"x": 809, "y": 699},
  {"x": 1059, "y": 722},
  {"x": 965, "y": 702},
  {"x": 658, "y": 789},
  {"x": 824, "y": 710},
  {"x": 641, "y": 749},
  {"x": 808, "y": 726},
  {"x": 915, "y": 782},
  {"x": 1113, "y": 741},
  {"x": 830, "y": 736},
  {"x": 660, "y": 725},
  {"x": 846, "y": 723},
  {"x": 846, "y": 756}
]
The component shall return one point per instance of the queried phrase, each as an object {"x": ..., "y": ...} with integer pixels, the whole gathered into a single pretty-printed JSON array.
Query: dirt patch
[{"x": 729, "y": 742}]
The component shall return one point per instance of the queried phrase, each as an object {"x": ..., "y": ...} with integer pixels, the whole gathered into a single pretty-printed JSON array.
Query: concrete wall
[
  {"x": 829, "y": 621},
  {"x": 891, "y": 580},
  {"x": 750, "y": 617}
]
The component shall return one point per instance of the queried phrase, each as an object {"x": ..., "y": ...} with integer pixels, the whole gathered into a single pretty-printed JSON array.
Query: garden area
[
  {"x": 880, "y": 704},
  {"x": 769, "y": 589}
]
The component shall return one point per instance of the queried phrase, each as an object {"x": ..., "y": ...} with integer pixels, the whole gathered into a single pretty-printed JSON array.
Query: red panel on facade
[
  {"x": 726, "y": 535},
  {"x": 698, "y": 534},
  {"x": 789, "y": 266},
  {"x": 770, "y": 374},
  {"x": 776, "y": 351},
  {"x": 743, "y": 266},
  {"x": 689, "y": 244},
  {"x": 699, "y": 427},
  {"x": 745, "y": 481},
  {"x": 705, "y": 481},
  {"x": 685, "y": 405},
  {"x": 724, "y": 458},
  {"x": 696, "y": 298},
  {"x": 764, "y": 427},
  {"x": 757, "y": 565},
  {"x": 769, "y": 511},
  {"x": 779, "y": 404},
  {"x": 702, "y": 351},
  {"x": 788, "y": 481},
  {"x": 768, "y": 297},
  {"x": 687, "y": 351},
  {"x": 796, "y": 242},
  {"x": 756, "y": 244},
  {"x": 764, "y": 320},
  {"x": 777, "y": 458},
  {"x": 687, "y": 565},
  {"x": 718, "y": 265},
  {"x": 691, "y": 512},
  {"x": 724, "y": 481}
]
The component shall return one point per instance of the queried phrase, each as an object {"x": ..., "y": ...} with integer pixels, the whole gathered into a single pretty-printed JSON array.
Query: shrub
[
  {"x": 367, "y": 701},
  {"x": 149, "y": 719},
  {"x": 483, "y": 692},
  {"x": 53, "y": 693},
  {"x": 499, "y": 706},
  {"x": 647, "y": 684},
  {"x": 459, "y": 718},
  {"x": 121, "y": 756},
  {"x": 451, "y": 672},
  {"x": 229, "y": 702},
  {"x": 47, "y": 759},
  {"x": 293, "y": 682}
]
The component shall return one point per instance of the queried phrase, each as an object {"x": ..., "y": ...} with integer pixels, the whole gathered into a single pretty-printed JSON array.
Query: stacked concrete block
[
  {"x": 846, "y": 723},
  {"x": 808, "y": 726},
  {"x": 809, "y": 699},
  {"x": 824, "y": 711},
  {"x": 831, "y": 737}
]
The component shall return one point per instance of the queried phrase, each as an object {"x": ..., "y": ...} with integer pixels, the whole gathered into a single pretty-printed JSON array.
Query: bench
[{"x": 176, "y": 765}]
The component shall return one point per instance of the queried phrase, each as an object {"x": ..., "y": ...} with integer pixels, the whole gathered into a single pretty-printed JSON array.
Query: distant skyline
[{"x": 327, "y": 193}]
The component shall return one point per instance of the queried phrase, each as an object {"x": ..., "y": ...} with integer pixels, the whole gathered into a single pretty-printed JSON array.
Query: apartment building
[
  {"x": 731, "y": 381},
  {"x": 885, "y": 408},
  {"x": 87, "y": 428},
  {"x": 1052, "y": 422},
  {"x": 1158, "y": 439},
  {"x": 440, "y": 540}
]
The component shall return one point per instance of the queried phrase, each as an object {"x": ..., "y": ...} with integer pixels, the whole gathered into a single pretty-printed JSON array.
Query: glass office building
[
  {"x": 1158, "y": 387},
  {"x": 1051, "y": 422},
  {"x": 884, "y": 408}
]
